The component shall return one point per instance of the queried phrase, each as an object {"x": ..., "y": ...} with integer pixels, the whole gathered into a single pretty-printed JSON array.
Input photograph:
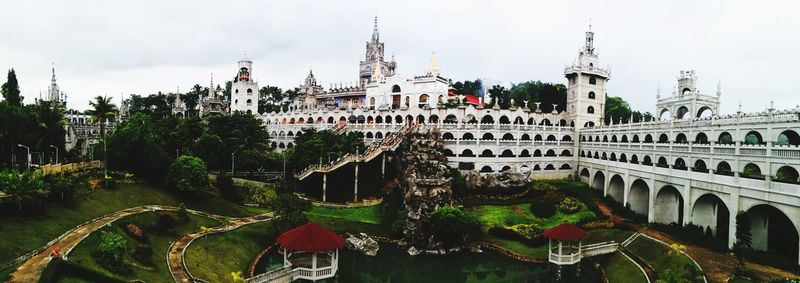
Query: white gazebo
[
  {"x": 311, "y": 252},
  {"x": 567, "y": 249}
]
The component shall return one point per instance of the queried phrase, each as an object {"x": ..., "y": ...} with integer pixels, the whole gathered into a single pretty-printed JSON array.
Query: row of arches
[
  {"x": 508, "y": 153},
  {"x": 787, "y": 137},
  {"x": 422, "y": 119},
  {"x": 536, "y": 167},
  {"x": 786, "y": 173},
  {"x": 771, "y": 228},
  {"x": 508, "y": 136}
]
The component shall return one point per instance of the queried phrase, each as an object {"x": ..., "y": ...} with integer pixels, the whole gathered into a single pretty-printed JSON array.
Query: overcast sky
[{"x": 141, "y": 47}]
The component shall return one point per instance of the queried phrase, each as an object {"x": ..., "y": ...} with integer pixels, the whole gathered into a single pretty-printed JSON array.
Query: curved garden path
[
  {"x": 175, "y": 260},
  {"x": 31, "y": 269}
]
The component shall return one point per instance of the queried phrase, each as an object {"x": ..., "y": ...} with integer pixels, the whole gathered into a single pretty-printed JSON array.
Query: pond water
[{"x": 395, "y": 265}]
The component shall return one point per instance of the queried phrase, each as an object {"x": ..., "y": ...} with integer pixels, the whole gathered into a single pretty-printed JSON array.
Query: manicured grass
[
  {"x": 154, "y": 271},
  {"x": 367, "y": 214},
  {"x": 23, "y": 234},
  {"x": 340, "y": 225},
  {"x": 516, "y": 246},
  {"x": 661, "y": 257},
  {"x": 619, "y": 269},
  {"x": 605, "y": 235},
  {"x": 214, "y": 257},
  {"x": 507, "y": 215}
]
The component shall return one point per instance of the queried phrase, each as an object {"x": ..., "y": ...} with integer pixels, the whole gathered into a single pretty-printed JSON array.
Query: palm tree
[
  {"x": 50, "y": 130},
  {"x": 102, "y": 111}
]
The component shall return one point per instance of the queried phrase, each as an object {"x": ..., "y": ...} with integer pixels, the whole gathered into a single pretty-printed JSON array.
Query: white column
[
  {"x": 355, "y": 185},
  {"x": 324, "y": 186}
]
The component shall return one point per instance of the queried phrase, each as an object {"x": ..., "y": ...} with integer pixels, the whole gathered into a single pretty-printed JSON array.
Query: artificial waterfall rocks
[
  {"x": 426, "y": 183},
  {"x": 506, "y": 180},
  {"x": 362, "y": 243}
]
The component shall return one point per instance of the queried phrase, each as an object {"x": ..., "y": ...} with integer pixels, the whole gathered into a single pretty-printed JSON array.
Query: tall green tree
[
  {"x": 10, "y": 89},
  {"x": 102, "y": 112}
]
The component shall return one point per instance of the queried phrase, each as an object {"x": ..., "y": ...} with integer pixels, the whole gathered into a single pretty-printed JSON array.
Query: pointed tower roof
[{"x": 375, "y": 33}]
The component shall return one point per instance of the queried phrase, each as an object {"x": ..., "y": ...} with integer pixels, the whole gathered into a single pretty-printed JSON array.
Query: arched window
[
  {"x": 752, "y": 171},
  {"x": 591, "y": 95},
  {"x": 723, "y": 168},
  {"x": 396, "y": 88},
  {"x": 592, "y": 81},
  {"x": 590, "y": 110},
  {"x": 753, "y": 137},
  {"x": 786, "y": 174}
]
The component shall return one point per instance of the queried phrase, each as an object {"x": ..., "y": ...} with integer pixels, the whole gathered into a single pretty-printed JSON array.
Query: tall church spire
[{"x": 375, "y": 33}]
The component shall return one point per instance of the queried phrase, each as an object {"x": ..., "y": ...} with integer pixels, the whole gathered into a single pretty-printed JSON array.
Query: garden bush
[
  {"x": 453, "y": 226},
  {"x": 543, "y": 209},
  {"x": 529, "y": 234},
  {"x": 110, "y": 251},
  {"x": 554, "y": 196},
  {"x": 136, "y": 232},
  {"x": 569, "y": 205},
  {"x": 188, "y": 174},
  {"x": 604, "y": 223}
]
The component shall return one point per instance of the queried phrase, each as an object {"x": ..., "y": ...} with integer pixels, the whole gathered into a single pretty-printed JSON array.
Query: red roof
[
  {"x": 310, "y": 238},
  {"x": 565, "y": 232}
]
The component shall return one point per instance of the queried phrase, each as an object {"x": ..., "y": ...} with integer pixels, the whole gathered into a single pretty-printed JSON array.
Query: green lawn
[
  {"x": 619, "y": 269},
  {"x": 662, "y": 258},
  {"x": 507, "y": 215},
  {"x": 367, "y": 214},
  {"x": 154, "y": 271},
  {"x": 340, "y": 225},
  {"x": 214, "y": 257},
  {"x": 23, "y": 234},
  {"x": 516, "y": 246},
  {"x": 605, "y": 235}
]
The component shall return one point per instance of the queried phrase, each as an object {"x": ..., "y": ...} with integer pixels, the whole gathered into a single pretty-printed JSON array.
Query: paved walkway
[
  {"x": 31, "y": 269},
  {"x": 175, "y": 260}
]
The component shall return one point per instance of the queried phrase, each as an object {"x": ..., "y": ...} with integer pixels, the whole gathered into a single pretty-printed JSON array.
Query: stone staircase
[{"x": 387, "y": 144}]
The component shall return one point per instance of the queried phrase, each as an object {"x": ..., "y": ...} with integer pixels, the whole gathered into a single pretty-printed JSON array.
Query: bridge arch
[
  {"x": 772, "y": 229},
  {"x": 639, "y": 197},
  {"x": 616, "y": 188},
  {"x": 668, "y": 206},
  {"x": 710, "y": 211},
  {"x": 599, "y": 180}
]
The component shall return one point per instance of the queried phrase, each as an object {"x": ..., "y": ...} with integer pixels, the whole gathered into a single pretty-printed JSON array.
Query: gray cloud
[{"x": 113, "y": 47}]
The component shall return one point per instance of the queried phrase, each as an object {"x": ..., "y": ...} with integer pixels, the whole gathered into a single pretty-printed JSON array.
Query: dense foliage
[
  {"x": 110, "y": 250},
  {"x": 452, "y": 226},
  {"x": 313, "y": 146},
  {"x": 37, "y": 126},
  {"x": 290, "y": 211},
  {"x": 618, "y": 110},
  {"x": 188, "y": 174}
]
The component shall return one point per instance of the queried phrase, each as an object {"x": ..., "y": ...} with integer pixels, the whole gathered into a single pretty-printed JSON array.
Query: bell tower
[
  {"x": 244, "y": 95},
  {"x": 374, "y": 60},
  {"x": 586, "y": 86}
]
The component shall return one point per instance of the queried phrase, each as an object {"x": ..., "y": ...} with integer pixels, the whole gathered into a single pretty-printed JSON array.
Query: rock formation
[
  {"x": 362, "y": 243},
  {"x": 426, "y": 183},
  {"x": 505, "y": 180}
]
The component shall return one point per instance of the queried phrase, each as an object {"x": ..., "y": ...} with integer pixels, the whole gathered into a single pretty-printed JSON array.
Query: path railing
[{"x": 387, "y": 144}]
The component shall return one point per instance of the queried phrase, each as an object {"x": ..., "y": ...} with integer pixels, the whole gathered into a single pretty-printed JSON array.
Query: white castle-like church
[{"x": 692, "y": 166}]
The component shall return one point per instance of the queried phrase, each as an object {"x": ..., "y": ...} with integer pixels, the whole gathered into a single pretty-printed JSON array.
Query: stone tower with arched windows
[
  {"x": 586, "y": 86},
  {"x": 244, "y": 92},
  {"x": 374, "y": 65},
  {"x": 686, "y": 101}
]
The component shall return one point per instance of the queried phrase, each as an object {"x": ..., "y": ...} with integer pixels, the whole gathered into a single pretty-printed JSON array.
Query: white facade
[
  {"x": 690, "y": 168},
  {"x": 244, "y": 92}
]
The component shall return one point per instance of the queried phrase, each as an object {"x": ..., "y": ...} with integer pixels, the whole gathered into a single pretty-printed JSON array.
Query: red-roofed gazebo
[
  {"x": 566, "y": 252},
  {"x": 311, "y": 251}
]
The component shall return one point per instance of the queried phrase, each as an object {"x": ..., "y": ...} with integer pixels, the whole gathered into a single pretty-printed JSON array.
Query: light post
[
  {"x": 56, "y": 152},
  {"x": 233, "y": 159},
  {"x": 28, "y": 157}
]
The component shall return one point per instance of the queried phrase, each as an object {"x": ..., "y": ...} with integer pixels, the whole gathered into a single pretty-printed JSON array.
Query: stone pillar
[
  {"x": 626, "y": 188},
  {"x": 355, "y": 185},
  {"x": 733, "y": 209},
  {"x": 687, "y": 202},
  {"x": 606, "y": 180},
  {"x": 383, "y": 165},
  {"x": 324, "y": 186},
  {"x": 651, "y": 201}
]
